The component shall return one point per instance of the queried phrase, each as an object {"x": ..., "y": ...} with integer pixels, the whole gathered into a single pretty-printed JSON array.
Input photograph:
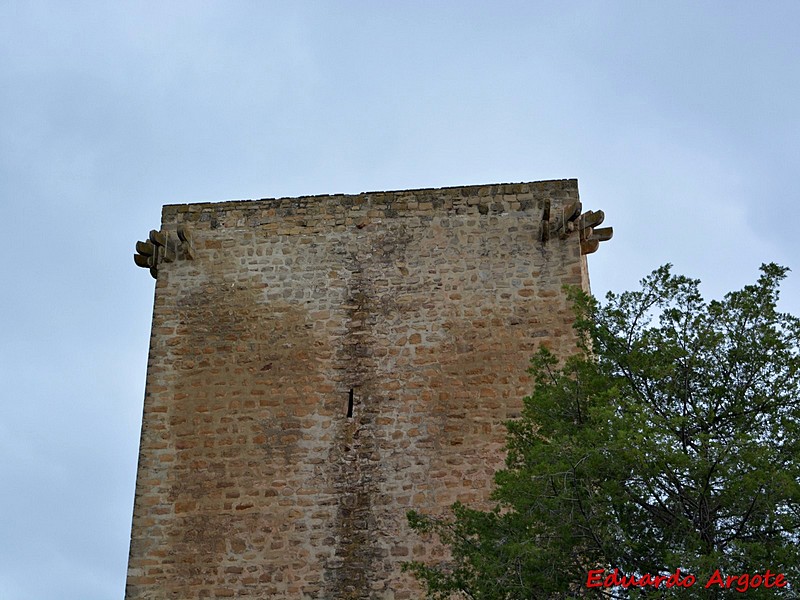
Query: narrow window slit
[{"x": 350, "y": 405}]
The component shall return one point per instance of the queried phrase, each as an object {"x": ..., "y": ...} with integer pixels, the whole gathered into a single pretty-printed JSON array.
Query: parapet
[{"x": 556, "y": 201}]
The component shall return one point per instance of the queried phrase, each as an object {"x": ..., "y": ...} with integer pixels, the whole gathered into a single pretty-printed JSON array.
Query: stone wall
[{"x": 318, "y": 366}]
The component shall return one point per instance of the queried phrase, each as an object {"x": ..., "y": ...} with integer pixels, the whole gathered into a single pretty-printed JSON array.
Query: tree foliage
[{"x": 671, "y": 441}]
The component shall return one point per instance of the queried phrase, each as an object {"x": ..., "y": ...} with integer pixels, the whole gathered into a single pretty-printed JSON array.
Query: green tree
[{"x": 671, "y": 441}]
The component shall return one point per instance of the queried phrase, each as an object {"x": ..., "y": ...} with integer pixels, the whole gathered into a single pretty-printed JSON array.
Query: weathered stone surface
[
  {"x": 325, "y": 364},
  {"x": 603, "y": 234},
  {"x": 589, "y": 246},
  {"x": 142, "y": 260},
  {"x": 158, "y": 237},
  {"x": 146, "y": 248},
  {"x": 592, "y": 218}
]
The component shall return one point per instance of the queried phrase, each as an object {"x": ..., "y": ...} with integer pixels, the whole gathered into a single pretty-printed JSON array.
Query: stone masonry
[{"x": 319, "y": 366}]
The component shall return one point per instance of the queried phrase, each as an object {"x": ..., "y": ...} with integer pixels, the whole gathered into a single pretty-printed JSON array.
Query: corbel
[
  {"x": 566, "y": 224},
  {"x": 571, "y": 219},
  {"x": 160, "y": 247},
  {"x": 590, "y": 234},
  {"x": 546, "y": 222},
  {"x": 186, "y": 241}
]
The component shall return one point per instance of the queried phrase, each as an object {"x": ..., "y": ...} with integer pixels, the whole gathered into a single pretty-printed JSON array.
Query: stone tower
[{"x": 320, "y": 365}]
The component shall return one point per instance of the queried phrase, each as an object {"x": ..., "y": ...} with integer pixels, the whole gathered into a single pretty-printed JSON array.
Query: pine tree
[{"x": 670, "y": 442}]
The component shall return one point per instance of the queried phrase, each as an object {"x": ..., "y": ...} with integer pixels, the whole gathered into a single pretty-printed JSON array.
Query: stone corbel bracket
[
  {"x": 187, "y": 247},
  {"x": 591, "y": 235},
  {"x": 571, "y": 219},
  {"x": 162, "y": 246}
]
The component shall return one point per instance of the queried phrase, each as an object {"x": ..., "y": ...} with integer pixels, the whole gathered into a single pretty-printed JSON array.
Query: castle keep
[{"x": 320, "y": 365}]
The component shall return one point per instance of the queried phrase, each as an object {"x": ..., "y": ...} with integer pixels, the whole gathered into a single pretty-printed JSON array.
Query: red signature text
[{"x": 741, "y": 583}]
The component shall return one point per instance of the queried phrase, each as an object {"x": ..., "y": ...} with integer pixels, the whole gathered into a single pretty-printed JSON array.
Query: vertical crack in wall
[
  {"x": 355, "y": 460},
  {"x": 354, "y": 457}
]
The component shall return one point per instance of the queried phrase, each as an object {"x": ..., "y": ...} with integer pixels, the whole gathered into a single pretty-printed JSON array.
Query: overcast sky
[{"x": 679, "y": 119}]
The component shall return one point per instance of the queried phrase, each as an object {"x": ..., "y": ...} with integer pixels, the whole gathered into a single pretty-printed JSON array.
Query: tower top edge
[{"x": 559, "y": 186}]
